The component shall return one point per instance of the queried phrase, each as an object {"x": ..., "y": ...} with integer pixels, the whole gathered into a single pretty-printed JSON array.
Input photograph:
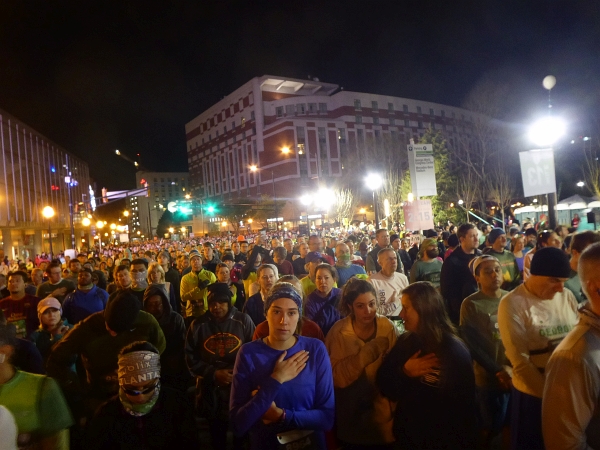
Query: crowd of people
[{"x": 459, "y": 338}]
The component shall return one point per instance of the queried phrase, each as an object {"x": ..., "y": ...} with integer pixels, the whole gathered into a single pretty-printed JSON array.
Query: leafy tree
[
  {"x": 166, "y": 221},
  {"x": 234, "y": 213}
]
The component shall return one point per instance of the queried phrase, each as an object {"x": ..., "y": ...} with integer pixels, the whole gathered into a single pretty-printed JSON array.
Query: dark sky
[{"x": 95, "y": 76}]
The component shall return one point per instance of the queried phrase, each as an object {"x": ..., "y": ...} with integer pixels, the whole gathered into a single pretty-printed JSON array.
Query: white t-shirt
[
  {"x": 531, "y": 328},
  {"x": 389, "y": 291}
]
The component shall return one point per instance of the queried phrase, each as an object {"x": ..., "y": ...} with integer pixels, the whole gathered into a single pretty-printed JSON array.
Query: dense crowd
[{"x": 459, "y": 338}]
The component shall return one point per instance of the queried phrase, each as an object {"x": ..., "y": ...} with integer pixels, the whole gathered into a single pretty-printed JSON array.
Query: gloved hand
[{"x": 203, "y": 284}]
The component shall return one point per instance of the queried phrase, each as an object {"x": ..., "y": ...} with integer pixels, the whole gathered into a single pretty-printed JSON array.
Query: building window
[
  {"x": 357, "y": 105},
  {"x": 431, "y": 111},
  {"x": 251, "y": 115},
  {"x": 322, "y": 107},
  {"x": 390, "y": 107},
  {"x": 244, "y": 121},
  {"x": 392, "y": 121},
  {"x": 406, "y": 123},
  {"x": 290, "y": 110},
  {"x": 418, "y": 110},
  {"x": 376, "y": 120},
  {"x": 358, "y": 119},
  {"x": 360, "y": 137},
  {"x": 216, "y": 133},
  {"x": 405, "y": 108},
  {"x": 233, "y": 125},
  {"x": 301, "y": 108},
  {"x": 279, "y": 111},
  {"x": 210, "y": 137},
  {"x": 374, "y": 106},
  {"x": 312, "y": 108},
  {"x": 420, "y": 124}
]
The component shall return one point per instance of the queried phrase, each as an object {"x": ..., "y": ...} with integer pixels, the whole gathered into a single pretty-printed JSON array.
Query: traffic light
[{"x": 210, "y": 209}]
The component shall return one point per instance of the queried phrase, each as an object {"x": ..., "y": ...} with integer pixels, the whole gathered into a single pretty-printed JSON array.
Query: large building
[
  {"x": 162, "y": 189},
  {"x": 285, "y": 137},
  {"x": 33, "y": 175}
]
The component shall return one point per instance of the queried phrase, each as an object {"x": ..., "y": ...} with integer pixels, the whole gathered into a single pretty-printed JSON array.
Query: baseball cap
[
  {"x": 48, "y": 302},
  {"x": 314, "y": 257}
]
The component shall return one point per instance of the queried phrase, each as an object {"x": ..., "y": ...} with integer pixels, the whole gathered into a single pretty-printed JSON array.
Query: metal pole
[
  {"x": 375, "y": 209},
  {"x": 70, "y": 204},
  {"x": 275, "y": 200},
  {"x": 50, "y": 237}
]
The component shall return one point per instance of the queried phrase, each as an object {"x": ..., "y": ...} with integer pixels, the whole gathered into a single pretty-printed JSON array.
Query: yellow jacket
[{"x": 193, "y": 296}]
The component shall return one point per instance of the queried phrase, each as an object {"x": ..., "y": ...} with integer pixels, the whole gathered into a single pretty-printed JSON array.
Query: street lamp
[
  {"x": 580, "y": 184},
  {"x": 48, "y": 213},
  {"x": 544, "y": 133},
  {"x": 374, "y": 182}
]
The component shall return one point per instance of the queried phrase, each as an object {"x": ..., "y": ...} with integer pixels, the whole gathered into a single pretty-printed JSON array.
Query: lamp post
[
  {"x": 100, "y": 225},
  {"x": 374, "y": 182},
  {"x": 544, "y": 133},
  {"x": 126, "y": 214},
  {"x": 48, "y": 213}
]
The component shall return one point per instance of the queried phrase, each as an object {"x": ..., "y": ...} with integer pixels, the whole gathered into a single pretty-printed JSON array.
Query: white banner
[
  {"x": 422, "y": 169},
  {"x": 537, "y": 171}
]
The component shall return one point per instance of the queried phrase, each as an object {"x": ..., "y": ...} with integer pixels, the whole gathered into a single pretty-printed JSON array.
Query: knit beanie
[
  {"x": 426, "y": 244},
  {"x": 550, "y": 262},
  {"x": 495, "y": 234},
  {"x": 219, "y": 292},
  {"x": 283, "y": 290},
  {"x": 121, "y": 312}
]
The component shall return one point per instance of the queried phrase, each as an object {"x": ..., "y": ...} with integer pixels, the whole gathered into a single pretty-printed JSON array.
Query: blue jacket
[
  {"x": 324, "y": 310},
  {"x": 78, "y": 305},
  {"x": 307, "y": 399}
]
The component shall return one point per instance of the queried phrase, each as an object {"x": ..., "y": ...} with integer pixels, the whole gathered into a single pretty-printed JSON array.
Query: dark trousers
[
  {"x": 526, "y": 422},
  {"x": 218, "y": 435}
]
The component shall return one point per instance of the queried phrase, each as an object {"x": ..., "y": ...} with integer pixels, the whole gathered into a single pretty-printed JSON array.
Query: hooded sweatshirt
[{"x": 173, "y": 369}]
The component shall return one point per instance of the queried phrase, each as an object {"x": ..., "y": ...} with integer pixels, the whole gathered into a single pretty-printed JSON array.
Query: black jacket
[
  {"x": 437, "y": 411},
  {"x": 457, "y": 281},
  {"x": 169, "y": 425},
  {"x": 174, "y": 371}
]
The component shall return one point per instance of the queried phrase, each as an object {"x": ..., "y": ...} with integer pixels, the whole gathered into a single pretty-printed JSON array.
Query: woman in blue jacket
[{"x": 282, "y": 384}]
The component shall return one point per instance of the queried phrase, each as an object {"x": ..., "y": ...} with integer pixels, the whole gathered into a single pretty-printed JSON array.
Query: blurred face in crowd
[
  {"x": 288, "y": 246},
  {"x": 315, "y": 244},
  {"x": 84, "y": 278},
  {"x": 266, "y": 280},
  {"x": 489, "y": 276},
  {"x": 154, "y": 305},
  {"x": 303, "y": 249},
  {"x": 408, "y": 314},
  {"x": 50, "y": 318},
  {"x": 244, "y": 247},
  {"x": 196, "y": 263},
  {"x": 388, "y": 261},
  {"x": 383, "y": 239},
  {"x": 324, "y": 281},
  {"x": 123, "y": 278},
  {"x": 54, "y": 276},
  {"x": 223, "y": 275},
  {"x": 208, "y": 253},
  {"x": 364, "y": 308},
  {"x": 235, "y": 247},
  {"x": 471, "y": 240}
]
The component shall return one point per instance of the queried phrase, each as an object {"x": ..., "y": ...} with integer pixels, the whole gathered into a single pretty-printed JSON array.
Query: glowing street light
[
  {"x": 374, "y": 182},
  {"x": 126, "y": 213},
  {"x": 580, "y": 184},
  {"x": 171, "y": 230},
  {"x": 285, "y": 150},
  {"x": 86, "y": 222},
  {"x": 253, "y": 168},
  {"x": 48, "y": 213},
  {"x": 546, "y": 131}
]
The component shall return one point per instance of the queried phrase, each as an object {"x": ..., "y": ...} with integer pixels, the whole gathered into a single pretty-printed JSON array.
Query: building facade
[
  {"x": 162, "y": 189},
  {"x": 33, "y": 175},
  {"x": 284, "y": 137}
]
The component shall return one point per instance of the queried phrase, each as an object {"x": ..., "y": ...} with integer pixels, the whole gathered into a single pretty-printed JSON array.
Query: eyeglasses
[{"x": 135, "y": 393}]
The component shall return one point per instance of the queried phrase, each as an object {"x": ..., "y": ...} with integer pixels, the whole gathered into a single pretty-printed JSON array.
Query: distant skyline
[{"x": 126, "y": 75}]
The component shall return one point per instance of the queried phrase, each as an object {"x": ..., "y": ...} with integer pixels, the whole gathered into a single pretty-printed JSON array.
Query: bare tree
[
  {"x": 467, "y": 189},
  {"x": 393, "y": 189},
  {"x": 591, "y": 169},
  {"x": 501, "y": 188},
  {"x": 345, "y": 205}
]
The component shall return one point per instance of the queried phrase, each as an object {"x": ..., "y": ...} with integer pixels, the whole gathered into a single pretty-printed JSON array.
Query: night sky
[{"x": 96, "y": 76}]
